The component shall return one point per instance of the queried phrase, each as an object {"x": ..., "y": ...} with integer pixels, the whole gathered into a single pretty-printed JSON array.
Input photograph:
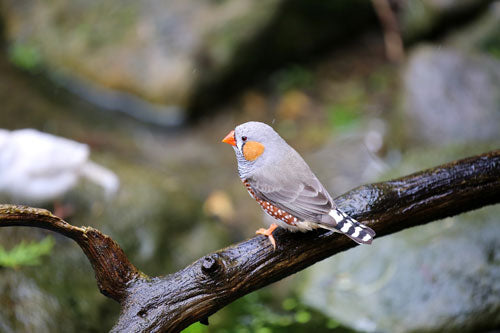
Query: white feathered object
[{"x": 37, "y": 167}]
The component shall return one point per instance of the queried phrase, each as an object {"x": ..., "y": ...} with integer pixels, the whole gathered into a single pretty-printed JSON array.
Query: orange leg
[{"x": 268, "y": 233}]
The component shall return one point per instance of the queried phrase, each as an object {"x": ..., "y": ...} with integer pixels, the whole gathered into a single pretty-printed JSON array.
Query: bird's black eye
[{"x": 244, "y": 138}]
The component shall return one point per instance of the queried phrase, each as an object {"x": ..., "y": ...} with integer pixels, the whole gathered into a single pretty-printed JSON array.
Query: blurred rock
[
  {"x": 450, "y": 96},
  {"x": 419, "y": 18},
  {"x": 481, "y": 35},
  {"x": 297, "y": 31},
  {"x": 25, "y": 307},
  {"x": 150, "y": 49},
  {"x": 443, "y": 276},
  {"x": 374, "y": 137},
  {"x": 171, "y": 53},
  {"x": 345, "y": 162}
]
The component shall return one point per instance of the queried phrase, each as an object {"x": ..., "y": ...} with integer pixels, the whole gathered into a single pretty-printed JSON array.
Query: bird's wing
[{"x": 299, "y": 193}]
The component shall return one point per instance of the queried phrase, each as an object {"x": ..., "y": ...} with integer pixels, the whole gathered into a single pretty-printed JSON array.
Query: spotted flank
[
  {"x": 350, "y": 227},
  {"x": 272, "y": 210}
]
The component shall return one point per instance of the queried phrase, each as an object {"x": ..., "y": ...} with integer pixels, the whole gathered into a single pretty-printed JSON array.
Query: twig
[{"x": 392, "y": 36}]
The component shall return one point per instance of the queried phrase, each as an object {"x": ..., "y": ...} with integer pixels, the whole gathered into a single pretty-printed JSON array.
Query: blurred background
[{"x": 364, "y": 90}]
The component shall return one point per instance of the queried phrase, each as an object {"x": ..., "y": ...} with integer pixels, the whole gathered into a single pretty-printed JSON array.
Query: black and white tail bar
[{"x": 350, "y": 227}]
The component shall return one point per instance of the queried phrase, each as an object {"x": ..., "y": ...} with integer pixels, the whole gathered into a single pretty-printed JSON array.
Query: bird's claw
[{"x": 268, "y": 233}]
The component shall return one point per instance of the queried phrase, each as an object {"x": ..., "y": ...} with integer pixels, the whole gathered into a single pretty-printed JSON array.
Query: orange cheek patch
[{"x": 252, "y": 150}]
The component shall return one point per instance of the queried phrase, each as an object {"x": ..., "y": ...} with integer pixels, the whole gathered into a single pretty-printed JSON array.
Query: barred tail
[{"x": 356, "y": 231}]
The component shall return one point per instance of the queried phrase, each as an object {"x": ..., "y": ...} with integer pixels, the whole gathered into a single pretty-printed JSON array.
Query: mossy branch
[{"x": 173, "y": 302}]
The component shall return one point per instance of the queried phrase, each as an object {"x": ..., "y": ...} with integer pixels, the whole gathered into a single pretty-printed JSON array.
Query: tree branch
[
  {"x": 173, "y": 302},
  {"x": 112, "y": 268}
]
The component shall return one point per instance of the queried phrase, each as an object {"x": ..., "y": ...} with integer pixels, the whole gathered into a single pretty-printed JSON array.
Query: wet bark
[{"x": 173, "y": 302}]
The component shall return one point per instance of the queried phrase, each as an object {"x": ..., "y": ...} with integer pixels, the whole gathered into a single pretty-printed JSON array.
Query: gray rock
[
  {"x": 450, "y": 96},
  {"x": 147, "y": 48},
  {"x": 444, "y": 276},
  {"x": 25, "y": 307},
  {"x": 174, "y": 54}
]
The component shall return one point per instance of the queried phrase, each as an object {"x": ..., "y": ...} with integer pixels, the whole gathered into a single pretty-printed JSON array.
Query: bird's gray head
[{"x": 253, "y": 142}]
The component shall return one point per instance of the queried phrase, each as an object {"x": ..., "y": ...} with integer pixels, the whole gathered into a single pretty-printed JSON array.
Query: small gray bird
[{"x": 279, "y": 179}]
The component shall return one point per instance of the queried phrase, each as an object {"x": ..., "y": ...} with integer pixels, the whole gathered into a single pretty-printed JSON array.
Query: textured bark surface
[{"x": 173, "y": 302}]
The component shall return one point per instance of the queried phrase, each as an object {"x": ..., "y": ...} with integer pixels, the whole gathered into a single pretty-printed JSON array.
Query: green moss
[
  {"x": 25, "y": 56},
  {"x": 343, "y": 116},
  {"x": 491, "y": 45}
]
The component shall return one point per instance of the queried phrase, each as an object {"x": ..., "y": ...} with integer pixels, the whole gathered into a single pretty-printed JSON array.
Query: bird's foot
[{"x": 268, "y": 233}]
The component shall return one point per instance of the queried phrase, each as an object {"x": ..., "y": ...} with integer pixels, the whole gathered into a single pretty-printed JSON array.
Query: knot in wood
[{"x": 210, "y": 264}]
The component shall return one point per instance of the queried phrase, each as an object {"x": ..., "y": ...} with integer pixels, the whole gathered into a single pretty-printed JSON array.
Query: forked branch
[{"x": 173, "y": 302}]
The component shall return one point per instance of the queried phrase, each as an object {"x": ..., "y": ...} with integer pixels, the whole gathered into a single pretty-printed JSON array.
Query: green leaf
[
  {"x": 303, "y": 316},
  {"x": 195, "y": 328},
  {"x": 26, "y": 254},
  {"x": 289, "y": 304}
]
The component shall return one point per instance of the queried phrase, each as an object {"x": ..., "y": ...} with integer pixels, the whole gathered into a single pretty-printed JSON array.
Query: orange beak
[{"x": 229, "y": 139}]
